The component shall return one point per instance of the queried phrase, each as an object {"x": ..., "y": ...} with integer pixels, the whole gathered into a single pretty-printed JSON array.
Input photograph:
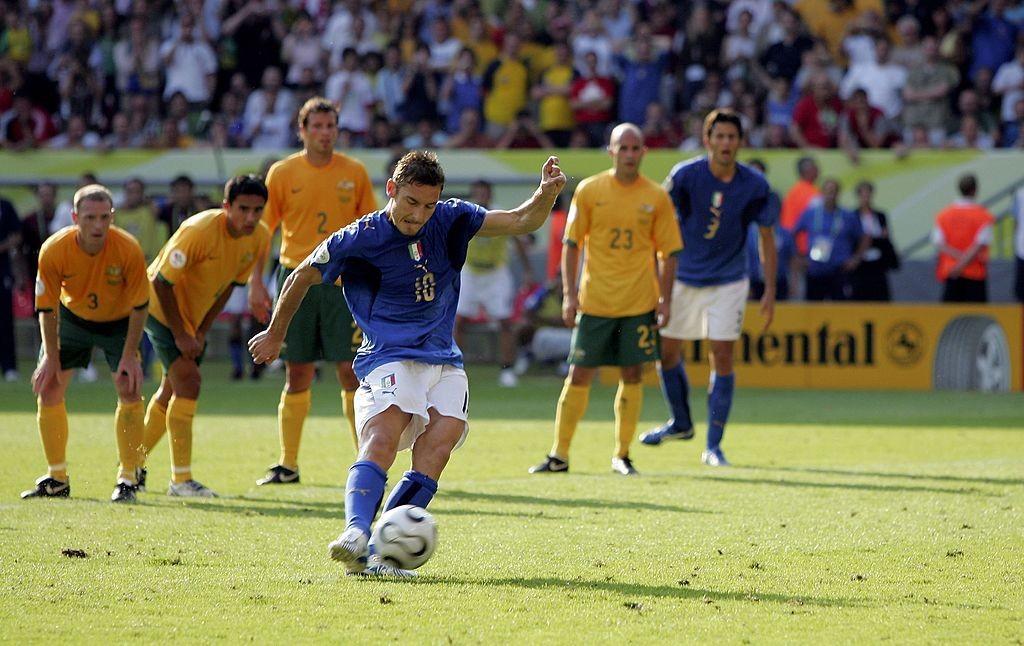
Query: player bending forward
[{"x": 400, "y": 268}]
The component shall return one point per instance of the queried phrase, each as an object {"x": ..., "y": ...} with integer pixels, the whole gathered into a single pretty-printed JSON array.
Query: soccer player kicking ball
[
  {"x": 190, "y": 281},
  {"x": 621, "y": 220},
  {"x": 90, "y": 291},
  {"x": 716, "y": 199},
  {"x": 401, "y": 273},
  {"x": 312, "y": 194}
]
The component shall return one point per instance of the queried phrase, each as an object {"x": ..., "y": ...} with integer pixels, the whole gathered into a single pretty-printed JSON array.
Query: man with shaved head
[{"x": 620, "y": 219}]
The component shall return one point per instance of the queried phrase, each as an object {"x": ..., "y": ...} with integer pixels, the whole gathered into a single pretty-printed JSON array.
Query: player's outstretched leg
[
  {"x": 677, "y": 394},
  {"x": 719, "y": 404},
  {"x": 363, "y": 495}
]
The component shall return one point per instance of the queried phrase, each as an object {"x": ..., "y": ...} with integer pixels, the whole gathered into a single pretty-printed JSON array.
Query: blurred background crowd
[{"x": 116, "y": 74}]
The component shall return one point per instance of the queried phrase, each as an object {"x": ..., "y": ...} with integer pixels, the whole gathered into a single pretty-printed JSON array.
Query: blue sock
[
  {"x": 363, "y": 493},
  {"x": 677, "y": 393},
  {"x": 413, "y": 489},
  {"x": 719, "y": 403}
]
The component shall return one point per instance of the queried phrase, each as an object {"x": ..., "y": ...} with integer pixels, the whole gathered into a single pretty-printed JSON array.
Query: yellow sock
[
  {"x": 154, "y": 427},
  {"x": 180, "y": 412},
  {"x": 291, "y": 415},
  {"x": 53, "y": 429},
  {"x": 571, "y": 405},
  {"x": 348, "y": 406},
  {"x": 629, "y": 399},
  {"x": 128, "y": 427}
]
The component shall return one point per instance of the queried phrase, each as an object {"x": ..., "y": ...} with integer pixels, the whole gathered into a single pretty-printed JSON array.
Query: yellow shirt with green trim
[
  {"x": 102, "y": 288},
  {"x": 620, "y": 228},
  {"x": 310, "y": 203},
  {"x": 201, "y": 260}
]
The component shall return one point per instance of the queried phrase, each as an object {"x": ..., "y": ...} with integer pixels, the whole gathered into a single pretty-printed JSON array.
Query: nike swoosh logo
[
  {"x": 52, "y": 491},
  {"x": 290, "y": 478}
]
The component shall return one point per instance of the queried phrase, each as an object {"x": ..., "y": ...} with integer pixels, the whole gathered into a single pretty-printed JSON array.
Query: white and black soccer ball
[{"x": 405, "y": 537}]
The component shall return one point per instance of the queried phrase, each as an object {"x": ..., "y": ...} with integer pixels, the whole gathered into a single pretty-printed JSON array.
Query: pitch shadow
[
  {"x": 844, "y": 485},
  {"x": 882, "y": 474},
  {"x": 518, "y": 499}
]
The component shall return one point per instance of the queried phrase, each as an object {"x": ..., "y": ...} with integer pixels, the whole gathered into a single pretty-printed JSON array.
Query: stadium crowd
[{"x": 115, "y": 74}]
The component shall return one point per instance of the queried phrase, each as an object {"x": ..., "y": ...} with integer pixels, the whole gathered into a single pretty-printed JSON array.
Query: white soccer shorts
[
  {"x": 415, "y": 388},
  {"x": 714, "y": 312},
  {"x": 492, "y": 291}
]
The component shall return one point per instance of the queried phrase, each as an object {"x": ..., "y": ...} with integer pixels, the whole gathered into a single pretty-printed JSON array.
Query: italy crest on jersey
[{"x": 416, "y": 251}]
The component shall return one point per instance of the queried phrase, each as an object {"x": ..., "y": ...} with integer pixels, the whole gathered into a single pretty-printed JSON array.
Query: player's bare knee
[
  {"x": 186, "y": 379},
  {"x": 722, "y": 357},
  {"x": 298, "y": 376},
  {"x": 580, "y": 376},
  {"x": 632, "y": 374},
  {"x": 671, "y": 353},
  {"x": 125, "y": 393},
  {"x": 346, "y": 376}
]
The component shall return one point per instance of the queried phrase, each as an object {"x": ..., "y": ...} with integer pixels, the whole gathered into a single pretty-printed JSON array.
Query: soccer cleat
[
  {"x": 190, "y": 489},
  {"x": 507, "y": 378},
  {"x": 279, "y": 474},
  {"x": 140, "y": 478},
  {"x": 665, "y": 432},
  {"x": 124, "y": 492},
  {"x": 624, "y": 466},
  {"x": 47, "y": 487},
  {"x": 351, "y": 548},
  {"x": 714, "y": 458},
  {"x": 551, "y": 464},
  {"x": 378, "y": 568}
]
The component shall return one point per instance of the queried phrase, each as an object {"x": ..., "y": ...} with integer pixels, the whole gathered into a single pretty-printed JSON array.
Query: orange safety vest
[{"x": 960, "y": 223}]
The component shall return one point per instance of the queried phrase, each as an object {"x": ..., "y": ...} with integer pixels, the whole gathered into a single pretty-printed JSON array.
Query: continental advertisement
[{"x": 876, "y": 346}]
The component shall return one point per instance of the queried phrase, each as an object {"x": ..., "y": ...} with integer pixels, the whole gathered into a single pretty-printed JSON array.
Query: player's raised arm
[
  {"x": 266, "y": 346},
  {"x": 529, "y": 215}
]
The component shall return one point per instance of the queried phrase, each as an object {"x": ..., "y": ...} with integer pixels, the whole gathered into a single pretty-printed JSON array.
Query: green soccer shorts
[
  {"x": 323, "y": 328},
  {"x": 613, "y": 341}
]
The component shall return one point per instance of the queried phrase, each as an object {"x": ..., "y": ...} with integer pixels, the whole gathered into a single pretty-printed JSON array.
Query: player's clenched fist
[
  {"x": 264, "y": 347},
  {"x": 551, "y": 176}
]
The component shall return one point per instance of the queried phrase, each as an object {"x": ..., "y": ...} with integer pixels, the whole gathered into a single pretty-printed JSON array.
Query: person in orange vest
[
  {"x": 800, "y": 195},
  {"x": 962, "y": 235}
]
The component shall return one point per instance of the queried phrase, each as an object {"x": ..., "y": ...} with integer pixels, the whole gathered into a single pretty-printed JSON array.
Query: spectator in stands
[
  {"x": 426, "y": 135},
  {"x": 817, "y": 61},
  {"x": 121, "y": 136},
  {"x": 136, "y": 215},
  {"x": 76, "y": 136},
  {"x": 257, "y": 29},
  {"x": 641, "y": 79},
  {"x": 302, "y": 50},
  {"x": 739, "y": 45},
  {"x": 180, "y": 205},
  {"x": 783, "y": 58},
  {"x": 388, "y": 84},
  {"x": 836, "y": 245},
  {"x": 461, "y": 88},
  {"x": 590, "y": 38},
  {"x": 1012, "y": 130},
  {"x": 552, "y": 94},
  {"x": 26, "y": 125},
  {"x": 137, "y": 60},
  {"x": 870, "y": 280},
  {"x": 470, "y": 133},
  {"x": 268, "y": 113},
  {"x": 359, "y": 38},
  {"x": 659, "y": 131},
  {"x": 802, "y": 193},
  {"x": 828, "y": 19},
  {"x": 591, "y": 98},
  {"x": 524, "y": 133},
  {"x": 882, "y": 79},
  {"x": 419, "y": 88},
  {"x": 479, "y": 40},
  {"x": 351, "y": 90},
  {"x": 863, "y": 126},
  {"x": 971, "y": 135},
  {"x": 505, "y": 87},
  {"x": 816, "y": 117},
  {"x": 10, "y": 244},
  {"x": 1018, "y": 243},
  {"x": 993, "y": 37},
  {"x": 962, "y": 235},
  {"x": 1009, "y": 84},
  {"x": 189, "y": 62},
  {"x": 444, "y": 47},
  {"x": 37, "y": 226},
  {"x": 859, "y": 41},
  {"x": 909, "y": 53},
  {"x": 926, "y": 93}
]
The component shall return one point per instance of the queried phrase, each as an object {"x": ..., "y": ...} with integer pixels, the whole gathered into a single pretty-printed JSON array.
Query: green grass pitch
[{"x": 849, "y": 517}]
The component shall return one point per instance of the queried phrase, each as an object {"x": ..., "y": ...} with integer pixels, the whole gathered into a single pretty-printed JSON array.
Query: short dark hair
[
  {"x": 968, "y": 185},
  {"x": 803, "y": 163},
  {"x": 722, "y": 115},
  {"x": 316, "y": 104},
  {"x": 244, "y": 185},
  {"x": 864, "y": 184},
  {"x": 758, "y": 163},
  {"x": 418, "y": 167},
  {"x": 182, "y": 179}
]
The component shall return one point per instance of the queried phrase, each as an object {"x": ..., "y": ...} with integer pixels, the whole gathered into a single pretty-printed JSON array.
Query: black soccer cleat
[
  {"x": 47, "y": 487},
  {"x": 124, "y": 492},
  {"x": 624, "y": 466},
  {"x": 279, "y": 474},
  {"x": 551, "y": 464},
  {"x": 140, "y": 479}
]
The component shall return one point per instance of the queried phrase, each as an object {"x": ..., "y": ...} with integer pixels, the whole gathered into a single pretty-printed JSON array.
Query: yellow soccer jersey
[
  {"x": 201, "y": 260},
  {"x": 311, "y": 203},
  {"x": 620, "y": 228},
  {"x": 102, "y": 288}
]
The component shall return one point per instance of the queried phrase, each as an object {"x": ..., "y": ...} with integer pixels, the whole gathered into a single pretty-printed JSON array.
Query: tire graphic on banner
[{"x": 972, "y": 354}]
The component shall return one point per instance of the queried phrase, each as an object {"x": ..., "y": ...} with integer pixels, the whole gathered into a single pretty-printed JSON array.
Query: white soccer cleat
[
  {"x": 379, "y": 568},
  {"x": 190, "y": 489},
  {"x": 351, "y": 549},
  {"x": 507, "y": 378},
  {"x": 714, "y": 458}
]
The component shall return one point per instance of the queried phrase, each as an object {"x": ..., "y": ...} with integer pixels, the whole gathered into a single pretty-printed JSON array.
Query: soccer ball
[{"x": 405, "y": 537}]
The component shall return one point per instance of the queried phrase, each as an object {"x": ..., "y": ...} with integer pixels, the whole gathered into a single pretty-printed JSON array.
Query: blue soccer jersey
[
  {"x": 402, "y": 290},
  {"x": 713, "y": 217}
]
